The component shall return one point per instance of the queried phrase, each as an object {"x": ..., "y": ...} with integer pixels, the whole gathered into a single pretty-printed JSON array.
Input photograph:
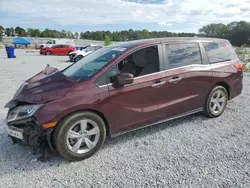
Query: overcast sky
[{"x": 82, "y": 15}]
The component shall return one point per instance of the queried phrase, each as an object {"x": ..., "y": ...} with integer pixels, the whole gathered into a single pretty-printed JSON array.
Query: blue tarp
[{"x": 23, "y": 41}]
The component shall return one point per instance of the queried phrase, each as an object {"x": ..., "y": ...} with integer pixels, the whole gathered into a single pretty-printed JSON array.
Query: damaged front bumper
[{"x": 26, "y": 131}]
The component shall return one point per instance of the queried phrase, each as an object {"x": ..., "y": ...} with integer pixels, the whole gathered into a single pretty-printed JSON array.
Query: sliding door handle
[
  {"x": 157, "y": 84},
  {"x": 175, "y": 80}
]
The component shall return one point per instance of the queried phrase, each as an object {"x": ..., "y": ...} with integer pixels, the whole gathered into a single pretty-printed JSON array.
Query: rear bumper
[
  {"x": 236, "y": 88},
  {"x": 32, "y": 134}
]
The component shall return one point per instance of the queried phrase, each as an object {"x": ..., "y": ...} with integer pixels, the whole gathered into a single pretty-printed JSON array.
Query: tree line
[{"x": 238, "y": 33}]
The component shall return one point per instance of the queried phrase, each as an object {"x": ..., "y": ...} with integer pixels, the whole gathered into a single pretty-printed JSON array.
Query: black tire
[
  {"x": 208, "y": 112},
  {"x": 78, "y": 58},
  {"x": 48, "y": 53},
  {"x": 61, "y": 131}
]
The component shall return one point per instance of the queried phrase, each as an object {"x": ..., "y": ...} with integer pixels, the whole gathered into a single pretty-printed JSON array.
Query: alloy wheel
[
  {"x": 218, "y": 102},
  {"x": 83, "y": 136}
]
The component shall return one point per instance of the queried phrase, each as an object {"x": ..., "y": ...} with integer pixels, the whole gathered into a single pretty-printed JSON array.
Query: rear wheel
[
  {"x": 216, "y": 102},
  {"x": 48, "y": 53},
  {"x": 78, "y": 58},
  {"x": 79, "y": 136}
]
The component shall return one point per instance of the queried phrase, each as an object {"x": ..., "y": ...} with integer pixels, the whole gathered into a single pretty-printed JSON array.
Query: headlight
[{"x": 22, "y": 112}]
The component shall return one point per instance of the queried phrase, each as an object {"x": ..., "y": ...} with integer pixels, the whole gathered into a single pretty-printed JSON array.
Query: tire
[
  {"x": 65, "y": 142},
  {"x": 78, "y": 58},
  {"x": 216, "y": 102},
  {"x": 48, "y": 53}
]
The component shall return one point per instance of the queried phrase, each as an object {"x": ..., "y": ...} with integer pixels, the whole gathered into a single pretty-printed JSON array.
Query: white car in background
[
  {"x": 78, "y": 55},
  {"x": 53, "y": 42}
]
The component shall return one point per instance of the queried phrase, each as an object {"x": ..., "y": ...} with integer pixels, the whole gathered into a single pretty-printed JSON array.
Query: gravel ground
[{"x": 189, "y": 152}]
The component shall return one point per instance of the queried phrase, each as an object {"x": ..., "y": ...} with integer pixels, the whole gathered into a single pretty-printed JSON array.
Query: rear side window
[
  {"x": 183, "y": 54},
  {"x": 219, "y": 52}
]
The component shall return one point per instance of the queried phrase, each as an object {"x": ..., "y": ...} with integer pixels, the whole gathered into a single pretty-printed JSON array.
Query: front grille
[{"x": 28, "y": 122}]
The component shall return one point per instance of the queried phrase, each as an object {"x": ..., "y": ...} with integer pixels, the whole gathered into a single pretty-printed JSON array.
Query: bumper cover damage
[{"x": 33, "y": 135}]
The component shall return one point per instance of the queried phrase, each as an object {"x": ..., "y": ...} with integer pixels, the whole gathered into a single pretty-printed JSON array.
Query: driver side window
[{"x": 139, "y": 63}]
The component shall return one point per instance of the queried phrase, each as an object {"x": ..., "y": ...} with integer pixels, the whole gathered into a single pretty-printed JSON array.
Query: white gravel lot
[{"x": 189, "y": 152}]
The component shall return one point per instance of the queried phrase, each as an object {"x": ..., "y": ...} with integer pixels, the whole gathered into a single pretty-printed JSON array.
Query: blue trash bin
[{"x": 10, "y": 52}]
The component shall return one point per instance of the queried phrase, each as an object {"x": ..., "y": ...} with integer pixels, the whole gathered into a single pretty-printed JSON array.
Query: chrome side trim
[
  {"x": 160, "y": 72},
  {"x": 186, "y": 66},
  {"x": 161, "y": 121},
  {"x": 166, "y": 71}
]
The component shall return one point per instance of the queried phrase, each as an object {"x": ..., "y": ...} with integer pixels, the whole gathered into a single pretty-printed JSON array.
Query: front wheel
[
  {"x": 78, "y": 58},
  {"x": 216, "y": 102},
  {"x": 79, "y": 136},
  {"x": 48, "y": 53}
]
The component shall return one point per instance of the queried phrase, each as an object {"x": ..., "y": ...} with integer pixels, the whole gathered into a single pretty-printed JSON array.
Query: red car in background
[{"x": 61, "y": 49}]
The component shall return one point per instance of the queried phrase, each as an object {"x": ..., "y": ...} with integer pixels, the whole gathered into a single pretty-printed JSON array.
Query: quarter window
[
  {"x": 218, "y": 52},
  {"x": 183, "y": 54}
]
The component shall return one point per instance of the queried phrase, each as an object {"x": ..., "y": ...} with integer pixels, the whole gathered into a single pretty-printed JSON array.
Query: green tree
[
  {"x": 20, "y": 31},
  {"x": 10, "y": 32},
  {"x": 145, "y": 34},
  {"x": 239, "y": 33},
  {"x": 76, "y": 35},
  {"x": 33, "y": 32},
  {"x": 63, "y": 34},
  {"x": 2, "y": 31},
  {"x": 70, "y": 35},
  {"x": 107, "y": 41},
  {"x": 215, "y": 30},
  {"x": 7, "y": 31}
]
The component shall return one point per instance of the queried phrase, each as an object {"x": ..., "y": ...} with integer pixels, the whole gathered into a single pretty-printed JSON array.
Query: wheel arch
[
  {"x": 226, "y": 86},
  {"x": 107, "y": 125},
  {"x": 48, "y": 51}
]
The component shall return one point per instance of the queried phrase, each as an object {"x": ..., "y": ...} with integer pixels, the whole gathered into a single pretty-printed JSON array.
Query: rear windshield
[
  {"x": 219, "y": 52},
  {"x": 92, "y": 63}
]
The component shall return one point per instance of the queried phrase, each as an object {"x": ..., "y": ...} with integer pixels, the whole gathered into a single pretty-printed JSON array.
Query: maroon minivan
[{"x": 124, "y": 87}]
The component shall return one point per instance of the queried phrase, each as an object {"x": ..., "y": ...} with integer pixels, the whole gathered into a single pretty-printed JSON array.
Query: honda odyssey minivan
[{"x": 124, "y": 87}]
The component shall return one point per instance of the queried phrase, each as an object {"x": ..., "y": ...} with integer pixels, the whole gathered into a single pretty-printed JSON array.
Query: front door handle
[
  {"x": 175, "y": 79},
  {"x": 157, "y": 84}
]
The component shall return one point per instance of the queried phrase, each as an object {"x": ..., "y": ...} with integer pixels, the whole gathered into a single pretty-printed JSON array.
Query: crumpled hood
[{"x": 46, "y": 86}]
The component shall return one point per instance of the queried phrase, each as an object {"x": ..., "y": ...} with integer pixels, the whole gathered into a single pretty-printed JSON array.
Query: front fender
[{"x": 44, "y": 116}]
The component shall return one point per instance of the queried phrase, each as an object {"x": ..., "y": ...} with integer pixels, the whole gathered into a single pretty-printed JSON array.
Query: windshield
[
  {"x": 49, "y": 42},
  {"x": 92, "y": 63}
]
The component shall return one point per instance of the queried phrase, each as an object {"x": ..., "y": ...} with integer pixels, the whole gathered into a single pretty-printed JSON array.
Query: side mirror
[{"x": 122, "y": 79}]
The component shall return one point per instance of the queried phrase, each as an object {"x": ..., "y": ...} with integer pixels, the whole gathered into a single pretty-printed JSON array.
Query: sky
[{"x": 116, "y": 15}]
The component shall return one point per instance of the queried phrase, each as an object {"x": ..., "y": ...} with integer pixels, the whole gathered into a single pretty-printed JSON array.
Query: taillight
[{"x": 239, "y": 66}]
